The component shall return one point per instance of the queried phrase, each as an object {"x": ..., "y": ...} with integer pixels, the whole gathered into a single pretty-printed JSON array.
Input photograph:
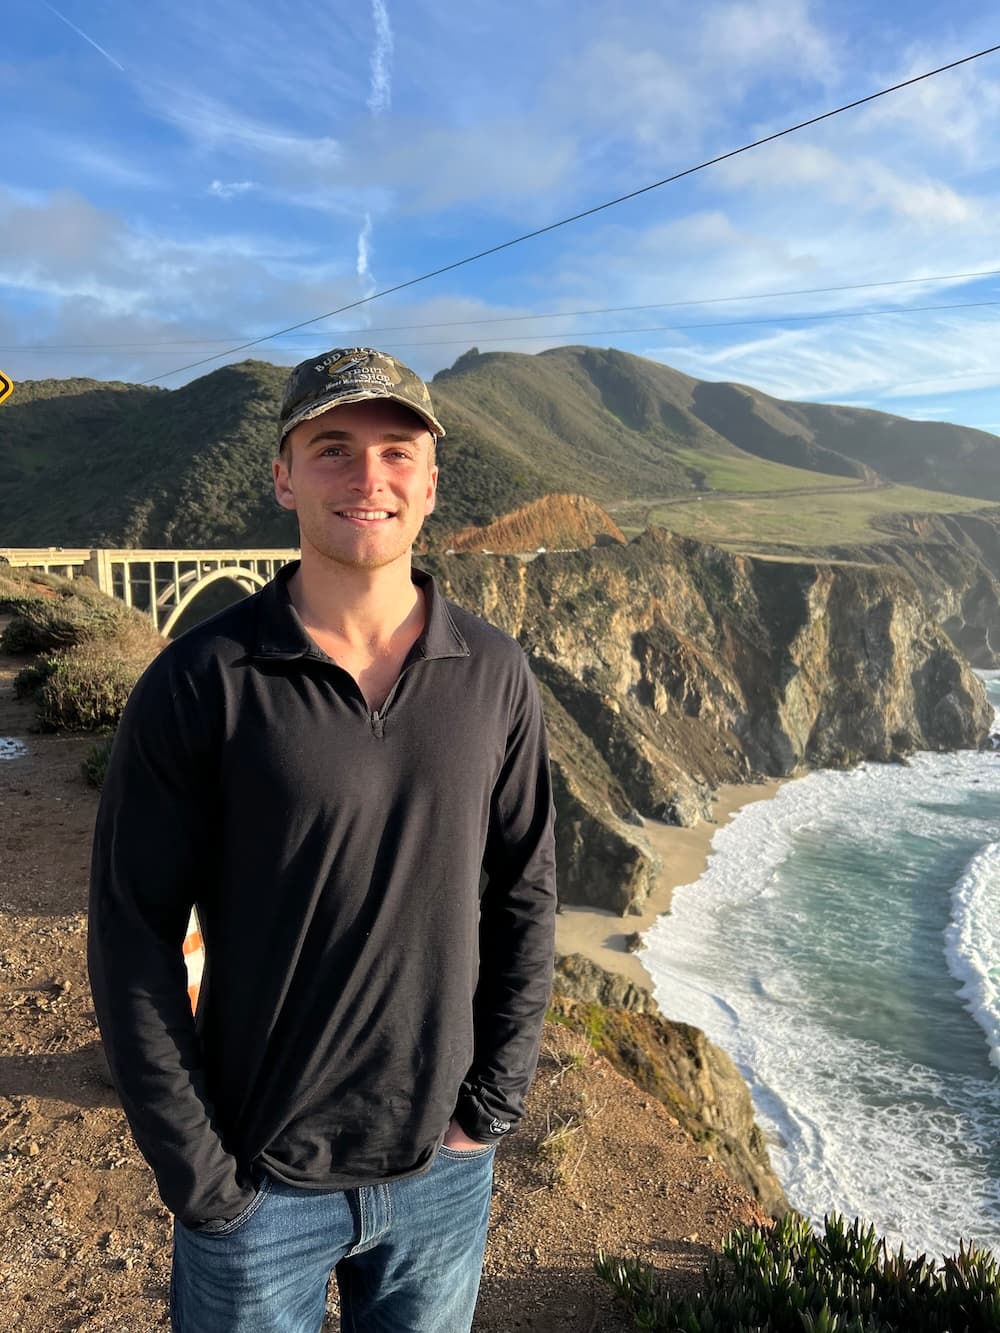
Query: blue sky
[{"x": 180, "y": 179}]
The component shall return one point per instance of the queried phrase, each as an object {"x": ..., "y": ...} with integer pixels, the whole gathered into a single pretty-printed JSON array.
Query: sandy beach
[{"x": 683, "y": 854}]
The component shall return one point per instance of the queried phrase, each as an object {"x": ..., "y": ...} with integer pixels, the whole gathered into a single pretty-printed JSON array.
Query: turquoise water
[{"x": 844, "y": 947}]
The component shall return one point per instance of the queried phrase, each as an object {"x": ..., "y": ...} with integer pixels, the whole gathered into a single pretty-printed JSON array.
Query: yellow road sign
[{"x": 6, "y": 386}]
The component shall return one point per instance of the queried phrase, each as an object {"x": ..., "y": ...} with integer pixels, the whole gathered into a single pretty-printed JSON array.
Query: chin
[{"x": 360, "y": 559}]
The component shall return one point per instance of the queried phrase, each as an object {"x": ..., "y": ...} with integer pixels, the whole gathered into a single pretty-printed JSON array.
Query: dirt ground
[{"x": 84, "y": 1239}]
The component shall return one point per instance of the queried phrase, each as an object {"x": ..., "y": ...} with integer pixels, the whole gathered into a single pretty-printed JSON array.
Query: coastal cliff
[
  {"x": 674, "y": 1062},
  {"x": 955, "y": 561},
  {"x": 668, "y": 667}
]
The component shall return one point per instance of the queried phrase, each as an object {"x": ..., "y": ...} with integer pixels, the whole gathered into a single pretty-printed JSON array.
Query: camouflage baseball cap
[{"x": 352, "y": 375}]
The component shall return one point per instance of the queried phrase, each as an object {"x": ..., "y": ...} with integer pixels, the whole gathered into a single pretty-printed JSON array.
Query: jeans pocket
[
  {"x": 467, "y": 1154},
  {"x": 226, "y": 1226}
]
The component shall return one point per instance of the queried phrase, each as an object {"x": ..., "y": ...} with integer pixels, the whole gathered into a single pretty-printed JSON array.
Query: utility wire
[
  {"x": 547, "y": 335},
  {"x": 715, "y": 324},
  {"x": 520, "y": 319},
  {"x": 575, "y": 217}
]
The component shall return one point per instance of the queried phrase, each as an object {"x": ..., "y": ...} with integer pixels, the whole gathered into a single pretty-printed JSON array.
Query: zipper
[{"x": 377, "y": 716}]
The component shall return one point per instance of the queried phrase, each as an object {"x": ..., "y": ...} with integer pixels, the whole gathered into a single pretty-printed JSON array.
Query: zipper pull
[{"x": 377, "y": 723}]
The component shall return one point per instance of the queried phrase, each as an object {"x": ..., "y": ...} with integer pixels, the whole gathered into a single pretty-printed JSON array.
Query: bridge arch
[
  {"x": 161, "y": 582},
  {"x": 247, "y": 579}
]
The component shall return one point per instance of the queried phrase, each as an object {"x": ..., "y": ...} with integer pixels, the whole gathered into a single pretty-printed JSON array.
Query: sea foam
[
  {"x": 972, "y": 942},
  {"x": 811, "y": 950}
]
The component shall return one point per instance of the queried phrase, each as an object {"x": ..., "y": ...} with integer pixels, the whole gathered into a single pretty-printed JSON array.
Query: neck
[{"x": 363, "y": 607}]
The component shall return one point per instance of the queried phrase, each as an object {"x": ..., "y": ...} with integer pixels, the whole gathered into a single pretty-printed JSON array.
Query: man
[{"x": 330, "y": 770}]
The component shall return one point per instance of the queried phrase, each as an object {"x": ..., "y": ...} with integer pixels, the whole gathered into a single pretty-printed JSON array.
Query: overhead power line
[
  {"x": 585, "y": 213},
  {"x": 547, "y": 335},
  {"x": 714, "y": 324},
  {"x": 520, "y": 319}
]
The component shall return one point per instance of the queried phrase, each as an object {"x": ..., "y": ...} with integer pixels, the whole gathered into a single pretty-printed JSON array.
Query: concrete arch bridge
[{"x": 162, "y": 583}]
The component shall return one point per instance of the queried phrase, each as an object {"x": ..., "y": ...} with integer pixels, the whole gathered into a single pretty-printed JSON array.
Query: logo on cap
[{"x": 347, "y": 361}]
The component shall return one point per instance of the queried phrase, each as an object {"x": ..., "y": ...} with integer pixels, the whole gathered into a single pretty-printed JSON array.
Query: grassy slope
[
  {"x": 802, "y": 520},
  {"x": 926, "y": 454},
  {"x": 732, "y": 471}
]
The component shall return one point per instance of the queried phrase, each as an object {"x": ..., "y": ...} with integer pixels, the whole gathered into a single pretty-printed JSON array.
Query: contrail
[
  {"x": 381, "y": 71},
  {"x": 379, "y": 100},
  {"x": 80, "y": 33},
  {"x": 364, "y": 251}
]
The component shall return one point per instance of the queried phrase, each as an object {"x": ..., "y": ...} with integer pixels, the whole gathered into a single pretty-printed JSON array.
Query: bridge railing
[{"x": 162, "y": 582}]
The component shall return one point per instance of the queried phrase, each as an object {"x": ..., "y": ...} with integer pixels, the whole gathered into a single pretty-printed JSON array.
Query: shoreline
[{"x": 683, "y": 852}]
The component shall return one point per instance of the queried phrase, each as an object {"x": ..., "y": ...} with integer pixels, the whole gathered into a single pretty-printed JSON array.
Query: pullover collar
[{"x": 281, "y": 634}]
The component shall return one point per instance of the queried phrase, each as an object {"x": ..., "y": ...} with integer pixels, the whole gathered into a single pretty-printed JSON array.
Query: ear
[
  {"x": 283, "y": 492},
  {"x": 431, "y": 501}
]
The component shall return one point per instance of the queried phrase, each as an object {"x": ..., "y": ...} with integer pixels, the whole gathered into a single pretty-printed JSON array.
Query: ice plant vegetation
[{"x": 792, "y": 1279}]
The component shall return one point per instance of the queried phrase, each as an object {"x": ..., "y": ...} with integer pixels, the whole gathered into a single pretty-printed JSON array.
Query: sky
[{"x": 178, "y": 180}]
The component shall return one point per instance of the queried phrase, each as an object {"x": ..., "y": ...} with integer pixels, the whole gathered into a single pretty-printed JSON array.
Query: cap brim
[{"x": 358, "y": 396}]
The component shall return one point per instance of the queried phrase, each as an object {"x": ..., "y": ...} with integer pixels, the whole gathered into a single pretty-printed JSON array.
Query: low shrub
[
  {"x": 89, "y": 648},
  {"x": 789, "y": 1279},
  {"x": 42, "y": 624},
  {"x": 95, "y": 765},
  {"x": 30, "y": 679},
  {"x": 19, "y": 636},
  {"x": 17, "y": 583},
  {"x": 86, "y": 687}
]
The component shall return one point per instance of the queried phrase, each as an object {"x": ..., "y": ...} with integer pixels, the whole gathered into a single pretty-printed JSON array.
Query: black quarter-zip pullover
[{"x": 360, "y": 986}]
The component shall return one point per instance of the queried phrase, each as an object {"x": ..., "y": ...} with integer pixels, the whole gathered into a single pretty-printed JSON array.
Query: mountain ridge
[{"x": 94, "y": 463}]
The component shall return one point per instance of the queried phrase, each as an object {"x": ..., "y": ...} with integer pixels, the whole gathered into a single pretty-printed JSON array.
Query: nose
[{"x": 366, "y": 473}]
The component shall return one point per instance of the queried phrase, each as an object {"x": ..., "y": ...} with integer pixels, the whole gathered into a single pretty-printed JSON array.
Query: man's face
[{"x": 361, "y": 480}]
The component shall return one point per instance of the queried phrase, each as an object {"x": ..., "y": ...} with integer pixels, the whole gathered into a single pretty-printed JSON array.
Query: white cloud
[
  {"x": 277, "y": 62},
  {"x": 862, "y": 184},
  {"x": 63, "y": 249},
  {"x": 881, "y": 360},
  {"x": 634, "y": 92},
  {"x": 92, "y": 161},
  {"x": 674, "y": 86},
  {"x": 931, "y": 412},
  {"x": 436, "y": 168},
  {"x": 754, "y": 39},
  {"x": 94, "y": 281},
  {"x": 231, "y": 189},
  {"x": 955, "y": 115},
  {"x": 214, "y": 126}
]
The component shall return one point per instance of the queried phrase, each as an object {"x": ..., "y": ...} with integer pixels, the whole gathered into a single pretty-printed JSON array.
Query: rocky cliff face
[
  {"x": 675, "y": 1063},
  {"x": 955, "y": 561},
  {"x": 668, "y": 667}
]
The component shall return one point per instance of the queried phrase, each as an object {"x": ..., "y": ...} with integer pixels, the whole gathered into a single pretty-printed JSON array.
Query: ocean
[{"x": 843, "y": 946}]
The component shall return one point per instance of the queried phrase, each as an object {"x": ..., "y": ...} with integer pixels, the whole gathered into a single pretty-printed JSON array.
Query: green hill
[
  {"x": 853, "y": 440},
  {"x": 84, "y": 462}
]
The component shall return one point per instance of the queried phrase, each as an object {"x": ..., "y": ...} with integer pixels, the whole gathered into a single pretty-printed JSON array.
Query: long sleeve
[
  {"x": 517, "y": 928},
  {"x": 152, "y": 853}
]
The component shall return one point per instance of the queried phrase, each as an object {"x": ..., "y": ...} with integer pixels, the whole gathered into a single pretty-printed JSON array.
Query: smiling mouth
[{"x": 365, "y": 515}]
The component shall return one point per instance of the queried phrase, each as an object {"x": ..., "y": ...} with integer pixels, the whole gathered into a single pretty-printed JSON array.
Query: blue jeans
[{"x": 407, "y": 1256}]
